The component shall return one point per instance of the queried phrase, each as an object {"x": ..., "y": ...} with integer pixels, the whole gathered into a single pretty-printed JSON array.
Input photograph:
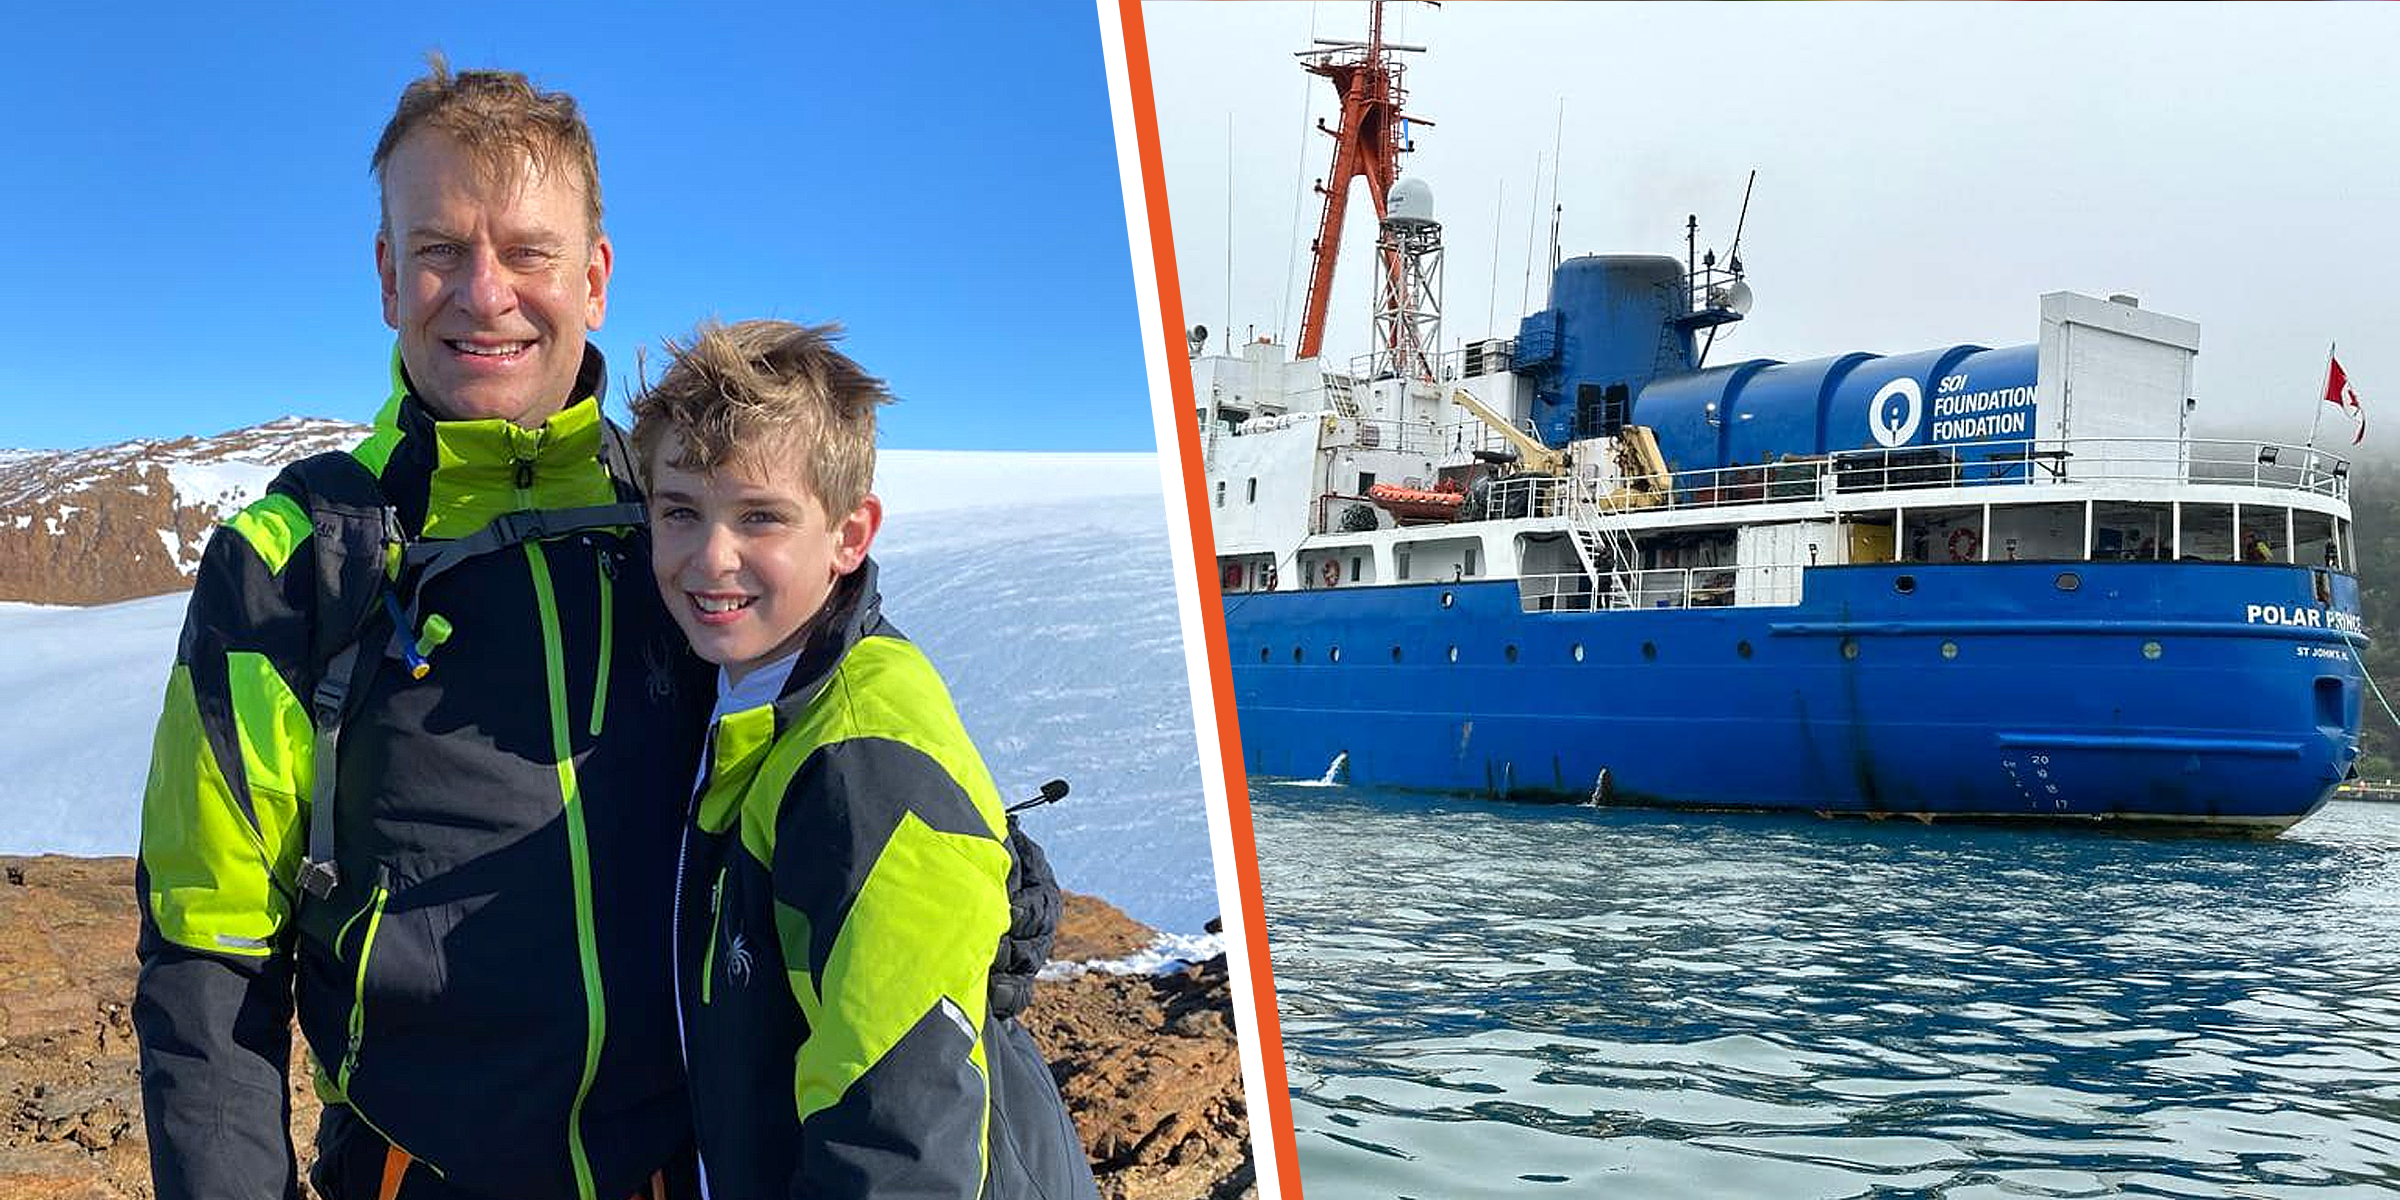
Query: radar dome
[{"x": 1411, "y": 203}]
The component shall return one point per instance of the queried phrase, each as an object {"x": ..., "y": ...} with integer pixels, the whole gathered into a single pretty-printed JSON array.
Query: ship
[{"x": 1581, "y": 563}]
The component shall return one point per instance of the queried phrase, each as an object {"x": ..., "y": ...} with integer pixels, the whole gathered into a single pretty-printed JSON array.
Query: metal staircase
[
  {"x": 1341, "y": 395},
  {"x": 1609, "y": 556}
]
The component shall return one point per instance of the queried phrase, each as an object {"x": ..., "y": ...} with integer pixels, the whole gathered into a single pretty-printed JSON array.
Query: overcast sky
[{"x": 1925, "y": 172}]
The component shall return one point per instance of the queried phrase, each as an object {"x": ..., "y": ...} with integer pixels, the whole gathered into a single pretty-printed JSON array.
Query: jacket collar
[
  {"x": 852, "y": 611},
  {"x": 739, "y": 741},
  {"x": 451, "y": 478}
]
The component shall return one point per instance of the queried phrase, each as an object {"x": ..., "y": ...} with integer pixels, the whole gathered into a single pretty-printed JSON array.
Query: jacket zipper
[
  {"x": 358, "y": 986},
  {"x": 716, "y": 911},
  {"x": 373, "y": 912},
  {"x": 608, "y": 635},
  {"x": 683, "y": 851},
  {"x": 595, "y": 1002}
]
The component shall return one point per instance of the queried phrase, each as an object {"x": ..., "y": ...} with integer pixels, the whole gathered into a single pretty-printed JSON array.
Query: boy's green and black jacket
[
  {"x": 488, "y": 987},
  {"x": 845, "y": 876}
]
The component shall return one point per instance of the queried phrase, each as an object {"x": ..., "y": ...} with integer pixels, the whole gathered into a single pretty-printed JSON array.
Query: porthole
[
  {"x": 1649, "y": 650},
  {"x": 1949, "y": 649},
  {"x": 1297, "y": 656},
  {"x": 1453, "y": 654},
  {"x": 2151, "y": 650},
  {"x": 1905, "y": 584},
  {"x": 1264, "y": 654},
  {"x": 1742, "y": 648},
  {"x": 1395, "y": 654},
  {"x": 1849, "y": 647},
  {"x": 1446, "y": 597},
  {"x": 1509, "y": 653},
  {"x": 2068, "y": 581},
  {"x": 1334, "y": 654},
  {"x": 1579, "y": 652}
]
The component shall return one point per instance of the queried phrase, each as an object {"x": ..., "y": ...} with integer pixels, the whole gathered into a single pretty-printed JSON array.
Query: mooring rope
[{"x": 2358, "y": 651}]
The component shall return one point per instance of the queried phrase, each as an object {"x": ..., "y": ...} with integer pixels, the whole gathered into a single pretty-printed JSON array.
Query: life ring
[
  {"x": 1966, "y": 545},
  {"x": 1233, "y": 576},
  {"x": 1332, "y": 574}
]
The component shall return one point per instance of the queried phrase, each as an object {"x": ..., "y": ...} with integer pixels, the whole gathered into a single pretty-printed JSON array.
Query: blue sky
[{"x": 187, "y": 243}]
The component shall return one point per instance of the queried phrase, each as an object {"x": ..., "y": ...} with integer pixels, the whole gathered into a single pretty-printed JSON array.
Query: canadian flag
[{"x": 2341, "y": 395}]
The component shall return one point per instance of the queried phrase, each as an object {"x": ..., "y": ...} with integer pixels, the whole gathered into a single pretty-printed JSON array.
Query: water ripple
[{"x": 1488, "y": 999}]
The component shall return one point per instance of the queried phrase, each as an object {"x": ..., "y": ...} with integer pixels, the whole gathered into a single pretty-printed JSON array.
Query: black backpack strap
[
  {"x": 355, "y": 533},
  {"x": 429, "y": 560},
  {"x": 616, "y": 452},
  {"x": 360, "y": 547}
]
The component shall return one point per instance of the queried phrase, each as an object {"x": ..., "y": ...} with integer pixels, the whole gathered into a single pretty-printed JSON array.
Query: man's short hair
[
  {"x": 501, "y": 122},
  {"x": 764, "y": 392}
]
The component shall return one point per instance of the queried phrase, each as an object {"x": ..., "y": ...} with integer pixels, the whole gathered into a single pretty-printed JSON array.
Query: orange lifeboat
[{"x": 1417, "y": 506}]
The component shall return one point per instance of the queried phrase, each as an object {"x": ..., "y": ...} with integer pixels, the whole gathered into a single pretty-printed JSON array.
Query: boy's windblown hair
[{"x": 756, "y": 393}]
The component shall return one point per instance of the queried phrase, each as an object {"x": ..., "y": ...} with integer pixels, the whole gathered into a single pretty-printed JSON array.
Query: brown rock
[
  {"x": 1147, "y": 1064},
  {"x": 1149, "y": 1067},
  {"x": 1093, "y": 929},
  {"x": 104, "y": 524}
]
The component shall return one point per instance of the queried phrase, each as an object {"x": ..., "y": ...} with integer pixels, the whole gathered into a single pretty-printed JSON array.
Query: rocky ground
[{"x": 1147, "y": 1063}]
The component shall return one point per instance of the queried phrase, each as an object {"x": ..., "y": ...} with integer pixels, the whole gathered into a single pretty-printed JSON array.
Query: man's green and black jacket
[
  {"x": 488, "y": 986},
  {"x": 846, "y": 873}
]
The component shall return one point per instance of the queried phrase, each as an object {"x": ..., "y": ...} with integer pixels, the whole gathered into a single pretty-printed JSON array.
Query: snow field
[{"x": 1054, "y": 625}]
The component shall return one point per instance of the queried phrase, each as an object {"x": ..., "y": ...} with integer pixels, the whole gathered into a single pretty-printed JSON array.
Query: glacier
[{"x": 1054, "y": 623}]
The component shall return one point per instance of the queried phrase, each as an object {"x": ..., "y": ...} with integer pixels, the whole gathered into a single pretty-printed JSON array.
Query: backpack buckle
[
  {"x": 318, "y": 877},
  {"x": 524, "y": 525}
]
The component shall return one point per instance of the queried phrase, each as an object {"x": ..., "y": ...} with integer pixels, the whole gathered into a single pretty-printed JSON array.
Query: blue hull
[{"x": 2048, "y": 702}]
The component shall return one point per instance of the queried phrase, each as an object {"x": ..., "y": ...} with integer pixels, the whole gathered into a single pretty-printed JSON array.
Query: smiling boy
[{"x": 845, "y": 869}]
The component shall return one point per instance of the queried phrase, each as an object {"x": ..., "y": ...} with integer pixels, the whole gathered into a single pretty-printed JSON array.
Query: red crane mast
[{"x": 1368, "y": 142}]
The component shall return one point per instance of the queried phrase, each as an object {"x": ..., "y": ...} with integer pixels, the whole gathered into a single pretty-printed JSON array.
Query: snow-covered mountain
[
  {"x": 1040, "y": 585},
  {"x": 115, "y": 522}
]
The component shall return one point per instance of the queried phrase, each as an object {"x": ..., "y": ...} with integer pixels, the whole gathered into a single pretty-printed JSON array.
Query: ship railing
[
  {"x": 2038, "y": 462},
  {"x": 1459, "y": 362},
  {"x": 2000, "y": 463},
  {"x": 1593, "y": 502},
  {"x": 1456, "y": 439},
  {"x": 1754, "y": 586},
  {"x": 1530, "y": 496}
]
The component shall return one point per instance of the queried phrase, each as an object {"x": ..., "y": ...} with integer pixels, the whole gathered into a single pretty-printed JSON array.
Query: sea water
[{"x": 1492, "y": 999}]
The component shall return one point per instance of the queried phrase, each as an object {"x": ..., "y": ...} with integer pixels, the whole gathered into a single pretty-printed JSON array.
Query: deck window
[
  {"x": 2312, "y": 539},
  {"x": 1934, "y": 535},
  {"x": 2207, "y": 533},
  {"x": 2126, "y": 531},
  {"x": 2264, "y": 534},
  {"x": 2035, "y": 532}
]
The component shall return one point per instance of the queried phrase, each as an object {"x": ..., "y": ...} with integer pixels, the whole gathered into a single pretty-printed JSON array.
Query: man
[{"x": 476, "y": 936}]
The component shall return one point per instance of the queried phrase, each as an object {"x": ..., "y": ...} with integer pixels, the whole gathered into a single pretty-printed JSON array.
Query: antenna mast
[{"x": 1368, "y": 143}]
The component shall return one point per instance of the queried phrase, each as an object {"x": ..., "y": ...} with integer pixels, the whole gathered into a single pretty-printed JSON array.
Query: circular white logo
[{"x": 1894, "y": 412}]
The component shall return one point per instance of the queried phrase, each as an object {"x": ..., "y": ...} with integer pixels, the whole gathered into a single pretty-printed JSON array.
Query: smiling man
[
  {"x": 419, "y": 766},
  {"x": 493, "y": 267}
]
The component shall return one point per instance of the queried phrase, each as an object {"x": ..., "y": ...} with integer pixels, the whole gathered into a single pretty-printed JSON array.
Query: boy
[{"x": 845, "y": 871}]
